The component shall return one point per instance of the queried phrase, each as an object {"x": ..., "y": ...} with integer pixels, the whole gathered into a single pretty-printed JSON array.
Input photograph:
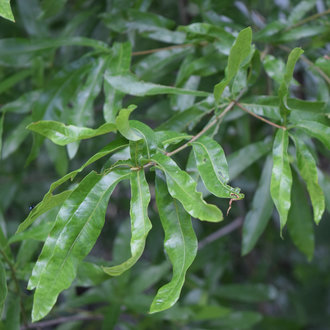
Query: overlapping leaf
[
  {"x": 213, "y": 168},
  {"x": 62, "y": 134},
  {"x": 281, "y": 181},
  {"x": 180, "y": 245},
  {"x": 140, "y": 223},
  {"x": 182, "y": 187},
  {"x": 5, "y": 10},
  {"x": 78, "y": 225}
]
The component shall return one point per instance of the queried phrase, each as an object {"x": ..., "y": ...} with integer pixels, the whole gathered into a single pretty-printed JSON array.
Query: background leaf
[{"x": 3, "y": 286}]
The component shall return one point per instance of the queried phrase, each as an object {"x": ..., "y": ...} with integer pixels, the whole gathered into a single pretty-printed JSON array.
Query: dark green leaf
[
  {"x": 213, "y": 168},
  {"x": 182, "y": 187},
  {"x": 262, "y": 206},
  {"x": 281, "y": 181},
  {"x": 180, "y": 245},
  {"x": 62, "y": 134},
  {"x": 51, "y": 8},
  {"x": 49, "y": 201},
  {"x": 5, "y": 10},
  {"x": 269, "y": 31},
  {"x": 308, "y": 171},
  {"x": 300, "y": 220},
  {"x": 78, "y": 225},
  {"x": 23, "y": 104},
  {"x": 129, "y": 84},
  {"x": 1, "y": 131},
  {"x": 14, "y": 79},
  {"x": 140, "y": 223},
  {"x": 239, "y": 51},
  {"x": 119, "y": 62},
  {"x": 3, "y": 286}
]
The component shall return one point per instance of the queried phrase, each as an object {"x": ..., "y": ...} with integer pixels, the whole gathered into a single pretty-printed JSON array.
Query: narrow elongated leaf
[
  {"x": 262, "y": 206},
  {"x": 129, "y": 84},
  {"x": 246, "y": 156},
  {"x": 5, "y": 10},
  {"x": 49, "y": 201},
  {"x": 2, "y": 119},
  {"x": 140, "y": 223},
  {"x": 171, "y": 137},
  {"x": 315, "y": 129},
  {"x": 300, "y": 220},
  {"x": 122, "y": 123},
  {"x": 180, "y": 245},
  {"x": 120, "y": 61},
  {"x": 62, "y": 134},
  {"x": 22, "y": 104},
  {"x": 299, "y": 11},
  {"x": 281, "y": 181},
  {"x": 78, "y": 225},
  {"x": 239, "y": 51},
  {"x": 51, "y": 8},
  {"x": 14, "y": 79},
  {"x": 3, "y": 286},
  {"x": 308, "y": 171},
  {"x": 182, "y": 187},
  {"x": 213, "y": 168}
]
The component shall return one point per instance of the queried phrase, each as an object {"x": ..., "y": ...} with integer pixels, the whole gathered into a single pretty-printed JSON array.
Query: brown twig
[
  {"x": 261, "y": 118},
  {"x": 60, "y": 320},
  {"x": 221, "y": 232}
]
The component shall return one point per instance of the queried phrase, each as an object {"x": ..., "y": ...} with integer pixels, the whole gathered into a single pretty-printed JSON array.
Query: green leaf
[
  {"x": 51, "y": 8},
  {"x": 140, "y": 223},
  {"x": 262, "y": 206},
  {"x": 3, "y": 286},
  {"x": 308, "y": 171},
  {"x": 78, "y": 225},
  {"x": 182, "y": 187},
  {"x": 180, "y": 245},
  {"x": 14, "y": 79},
  {"x": 300, "y": 220},
  {"x": 22, "y": 104},
  {"x": 62, "y": 134},
  {"x": 129, "y": 84},
  {"x": 239, "y": 51},
  {"x": 315, "y": 129},
  {"x": 171, "y": 137},
  {"x": 246, "y": 156},
  {"x": 5, "y": 10},
  {"x": 281, "y": 181},
  {"x": 2, "y": 119},
  {"x": 49, "y": 201},
  {"x": 213, "y": 168},
  {"x": 123, "y": 126},
  {"x": 119, "y": 62},
  {"x": 274, "y": 67}
]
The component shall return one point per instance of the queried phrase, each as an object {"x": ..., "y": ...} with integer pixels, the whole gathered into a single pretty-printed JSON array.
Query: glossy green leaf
[
  {"x": 257, "y": 218},
  {"x": 3, "y": 286},
  {"x": 249, "y": 293},
  {"x": 49, "y": 201},
  {"x": 171, "y": 137},
  {"x": 90, "y": 274},
  {"x": 180, "y": 245},
  {"x": 308, "y": 171},
  {"x": 123, "y": 126},
  {"x": 300, "y": 220},
  {"x": 182, "y": 187},
  {"x": 239, "y": 51},
  {"x": 246, "y": 156},
  {"x": 5, "y": 10},
  {"x": 315, "y": 129},
  {"x": 140, "y": 223},
  {"x": 281, "y": 180},
  {"x": 213, "y": 168},
  {"x": 119, "y": 62},
  {"x": 129, "y": 84},
  {"x": 15, "y": 137},
  {"x": 77, "y": 227},
  {"x": 62, "y": 134}
]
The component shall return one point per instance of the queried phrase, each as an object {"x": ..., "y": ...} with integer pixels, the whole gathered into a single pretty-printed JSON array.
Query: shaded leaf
[
  {"x": 5, "y": 10},
  {"x": 129, "y": 84},
  {"x": 239, "y": 51},
  {"x": 23, "y": 104},
  {"x": 78, "y": 225},
  {"x": 2, "y": 119},
  {"x": 308, "y": 171},
  {"x": 300, "y": 220},
  {"x": 3, "y": 286},
  {"x": 180, "y": 245},
  {"x": 123, "y": 126},
  {"x": 14, "y": 79},
  {"x": 281, "y": 180},
  {"x": 213, "y": 168},
  {"x": 299, "y": 11},
  {"x": 62, "y": 134},
  {"x": 262, "y": 206},
  {"x": 140, "y": 222},
  {"x": 182, "y": 187},
  {"x": 49, "y": 201},
  {"x": 51, "y": 8}
]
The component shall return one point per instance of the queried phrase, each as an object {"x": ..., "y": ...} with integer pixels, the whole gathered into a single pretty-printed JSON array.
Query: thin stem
[
  {"x": 256, "y": 116},
  {"x": 221, "y": 232},
  {"x": 18, "y": 289},
  {"x": 308, "y": 19}
]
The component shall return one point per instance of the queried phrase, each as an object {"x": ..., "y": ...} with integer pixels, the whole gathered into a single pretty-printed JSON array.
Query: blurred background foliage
[{"x": 273, "y": 286}]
